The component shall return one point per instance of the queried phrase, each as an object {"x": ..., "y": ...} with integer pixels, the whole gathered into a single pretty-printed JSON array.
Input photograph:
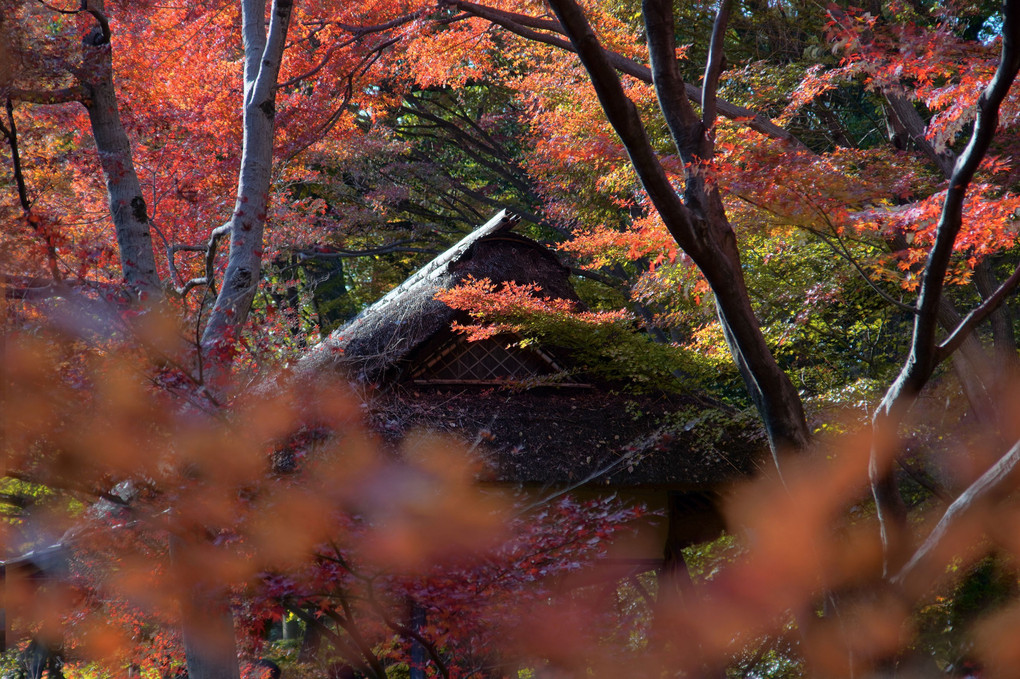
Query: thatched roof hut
[
  {"x": 563, "y": 435},
  {"x": 384, "y": 342}
]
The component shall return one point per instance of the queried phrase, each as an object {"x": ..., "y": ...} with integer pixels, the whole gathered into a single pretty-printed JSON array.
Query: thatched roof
[
  {"x": 373, "y": 345},
  {"x": 583, "y": 436},
  {"x": 549, "y": 435}
]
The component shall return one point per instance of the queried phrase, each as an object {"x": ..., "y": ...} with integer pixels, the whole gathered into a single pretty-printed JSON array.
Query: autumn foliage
[
  {"x": 347, "y": 539},
  {"x": 194, "y": 195}
]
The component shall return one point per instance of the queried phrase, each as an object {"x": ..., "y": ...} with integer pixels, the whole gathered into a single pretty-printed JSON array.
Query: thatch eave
[{"x": 583, "y": 437}]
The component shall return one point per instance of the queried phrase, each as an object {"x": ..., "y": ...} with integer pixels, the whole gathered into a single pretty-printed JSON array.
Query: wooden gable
[{"x": 494, "y": 360}]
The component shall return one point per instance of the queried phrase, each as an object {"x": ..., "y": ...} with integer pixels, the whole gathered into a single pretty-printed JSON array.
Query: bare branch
[
  {"x": 986, "y": 484},
  {"x": 976, "y": 316},
  {"x": 61, "y": 96},
  {"x": 11, "y": 133},
  {"x": 525, "y": 27},
  {"x": 714, "y": 65},
  {"x": 210, "y": 256}
]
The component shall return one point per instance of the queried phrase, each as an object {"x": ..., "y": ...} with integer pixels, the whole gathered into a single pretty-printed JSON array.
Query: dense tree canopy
[{"x": 803, "y": 212}]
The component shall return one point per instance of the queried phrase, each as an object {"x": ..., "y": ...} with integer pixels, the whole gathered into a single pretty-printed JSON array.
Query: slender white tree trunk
[
  {"x": 206, "y": 612},
  {"x": 263, "y": 54},
  {"x": 127, "y": 205}
]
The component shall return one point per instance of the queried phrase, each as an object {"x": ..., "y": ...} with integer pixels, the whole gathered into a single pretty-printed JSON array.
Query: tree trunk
[
  {"x": 127, "y": 205},
  {"x": 698, "y": 221},
  {"x": 207, "y": 626},
  {"x": 925, "y": 352},
  {"x": 263, "y": 54}
]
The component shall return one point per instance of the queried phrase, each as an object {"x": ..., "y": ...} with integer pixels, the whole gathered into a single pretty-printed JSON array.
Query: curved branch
[
  {"x": 977, "y": 315},
  {"x": 714, "y": 65},
  {"x": 104, "y": 23},
  {"x": 526, "y": 27},
  {"x": 61, "y": 96},
  {"x": 987, "y": 483},
  {"x": 210, "y": 258}
]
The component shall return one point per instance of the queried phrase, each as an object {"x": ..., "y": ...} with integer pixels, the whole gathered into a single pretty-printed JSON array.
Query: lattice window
[{"x": 489, "y": 360}]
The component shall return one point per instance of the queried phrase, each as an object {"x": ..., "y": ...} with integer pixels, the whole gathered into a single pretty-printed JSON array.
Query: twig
[
  {"x": 11, "y": 133},
  {"x": 210, "y": 259}
]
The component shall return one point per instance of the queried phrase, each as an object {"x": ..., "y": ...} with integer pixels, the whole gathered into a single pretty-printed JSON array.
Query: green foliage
[
  {"x": 832, "y": 332},
  {"x": 618, "y": 353},
  {"x": 605, "y": 345},
  {"x": 706, "y": 560},
  {"x": 945, "y": 624}
]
